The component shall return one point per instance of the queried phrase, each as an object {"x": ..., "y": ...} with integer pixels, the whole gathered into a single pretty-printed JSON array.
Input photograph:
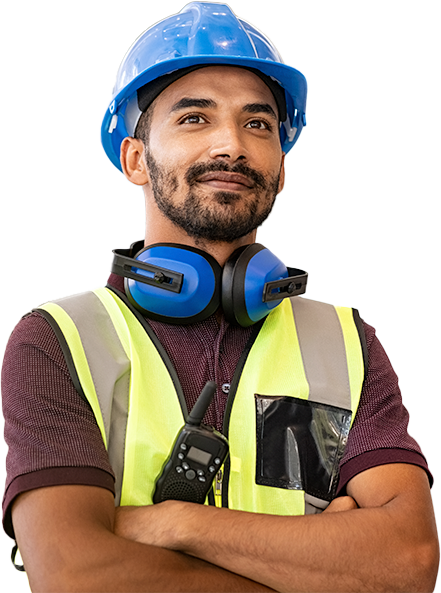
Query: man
[{"x": 208, "y": 151}]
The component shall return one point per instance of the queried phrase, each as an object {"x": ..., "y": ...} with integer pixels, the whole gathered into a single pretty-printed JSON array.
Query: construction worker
[{"x": 323, "y": 488}]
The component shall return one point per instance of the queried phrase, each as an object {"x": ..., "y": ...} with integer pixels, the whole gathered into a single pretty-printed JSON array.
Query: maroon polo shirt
[{"x": 54, "y": 439}]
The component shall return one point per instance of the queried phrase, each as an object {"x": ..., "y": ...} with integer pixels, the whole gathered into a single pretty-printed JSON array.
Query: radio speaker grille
[{"x": 180, "y": 490}]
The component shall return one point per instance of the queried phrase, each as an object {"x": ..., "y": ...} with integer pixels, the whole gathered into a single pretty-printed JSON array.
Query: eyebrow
[
  {"x": 260, "y": 108},
  {"x": 187, "y": 102}
]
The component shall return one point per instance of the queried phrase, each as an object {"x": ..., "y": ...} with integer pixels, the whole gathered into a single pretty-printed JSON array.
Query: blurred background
[{"x": 359, "y": 210}]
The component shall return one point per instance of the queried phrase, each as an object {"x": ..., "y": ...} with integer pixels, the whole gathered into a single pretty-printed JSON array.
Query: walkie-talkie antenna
[{"x": 202, "y": 403}]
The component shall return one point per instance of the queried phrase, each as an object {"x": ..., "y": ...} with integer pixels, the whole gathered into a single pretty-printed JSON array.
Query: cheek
[
  {"x": 173, "y": 169},
  {"x": 175, "y": 151},
  {"x": 267, "y": 157}
]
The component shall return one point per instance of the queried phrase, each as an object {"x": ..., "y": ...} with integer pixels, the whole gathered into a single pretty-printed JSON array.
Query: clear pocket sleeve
[{"x": 300, "y": 444}]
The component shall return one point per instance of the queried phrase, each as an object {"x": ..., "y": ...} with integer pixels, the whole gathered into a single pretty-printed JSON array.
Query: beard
[{"x": 216, "y": 218}]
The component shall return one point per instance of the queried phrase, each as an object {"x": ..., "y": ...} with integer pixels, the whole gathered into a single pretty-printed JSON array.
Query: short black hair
[{"x": 142, "y": 130}]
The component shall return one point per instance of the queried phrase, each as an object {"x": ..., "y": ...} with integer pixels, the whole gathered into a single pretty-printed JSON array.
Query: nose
[{"x": 228, "y": 143}]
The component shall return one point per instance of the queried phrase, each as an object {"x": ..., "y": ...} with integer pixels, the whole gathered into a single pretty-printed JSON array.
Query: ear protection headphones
[{"x": 181, "y": 284}]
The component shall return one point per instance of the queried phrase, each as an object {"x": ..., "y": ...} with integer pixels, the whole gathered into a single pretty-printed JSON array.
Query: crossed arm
[{"x": 384, "y": 539}]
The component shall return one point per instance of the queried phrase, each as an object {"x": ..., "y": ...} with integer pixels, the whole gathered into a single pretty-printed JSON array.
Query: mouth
[{"x": 226, "y": 181}]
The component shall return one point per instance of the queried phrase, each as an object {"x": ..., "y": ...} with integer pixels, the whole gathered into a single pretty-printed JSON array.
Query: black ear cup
[
  {"x": 181, "y": 285},
  {"x": 233, "y": 284},
  {"x": 246, "y": 275}
]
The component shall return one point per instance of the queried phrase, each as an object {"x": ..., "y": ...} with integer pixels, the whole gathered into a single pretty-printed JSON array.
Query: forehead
[{"x": 232, "y": 84}]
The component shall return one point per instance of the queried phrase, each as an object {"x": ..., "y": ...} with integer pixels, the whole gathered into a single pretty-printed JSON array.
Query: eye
[
  {"x": 259, "y": 124},
  {"x": 192, "y": 119}
]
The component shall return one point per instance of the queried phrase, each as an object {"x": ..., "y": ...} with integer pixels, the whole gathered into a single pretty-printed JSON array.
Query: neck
[
  {"x": 160, "y": 229},
  {"x": 222, "y": 251}
]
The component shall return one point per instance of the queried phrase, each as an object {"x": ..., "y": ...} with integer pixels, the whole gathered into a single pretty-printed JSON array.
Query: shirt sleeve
[
  {"x": 379, "y": 433},
  {"x": 51, "y": 432}
]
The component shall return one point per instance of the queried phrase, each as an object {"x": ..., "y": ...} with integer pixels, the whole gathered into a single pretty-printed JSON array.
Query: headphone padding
[{"x": 233, "y": 284}]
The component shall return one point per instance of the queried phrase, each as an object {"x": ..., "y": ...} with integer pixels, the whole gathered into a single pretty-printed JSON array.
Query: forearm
[
  {"x": 67, "y": 542},
  {"x": 389, "y": 545},
  {"x": 350, "y": 551},
  {"x": 119, "y": 565}
]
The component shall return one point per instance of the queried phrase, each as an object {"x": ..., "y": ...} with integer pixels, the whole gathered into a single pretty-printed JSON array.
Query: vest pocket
[{"x": 300, "y": 444}]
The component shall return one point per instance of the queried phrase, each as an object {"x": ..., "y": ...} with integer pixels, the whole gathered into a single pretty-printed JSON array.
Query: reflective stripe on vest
[{"x": 117, "y": 365}]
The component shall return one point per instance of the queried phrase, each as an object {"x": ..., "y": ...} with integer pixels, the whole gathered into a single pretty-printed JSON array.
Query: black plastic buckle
[
  {"x": 294, "y": 285},
  {"x": 162, "y": 277}
]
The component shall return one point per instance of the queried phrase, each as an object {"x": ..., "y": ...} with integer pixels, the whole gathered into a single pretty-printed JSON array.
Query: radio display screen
[{"x": 199, "y": 456}]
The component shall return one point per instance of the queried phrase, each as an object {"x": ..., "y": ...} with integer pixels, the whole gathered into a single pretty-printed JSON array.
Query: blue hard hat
[{"x": 202, "y": 33}]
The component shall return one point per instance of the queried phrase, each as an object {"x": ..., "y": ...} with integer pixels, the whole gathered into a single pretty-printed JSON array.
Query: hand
[
  {"x": 159, "y": 524},
  {"x": 342, "y": 503},
  {"x": 156, "y": 525}
]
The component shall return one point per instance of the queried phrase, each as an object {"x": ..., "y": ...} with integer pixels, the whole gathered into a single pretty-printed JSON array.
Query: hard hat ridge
[{"x": 203, "y": 33}]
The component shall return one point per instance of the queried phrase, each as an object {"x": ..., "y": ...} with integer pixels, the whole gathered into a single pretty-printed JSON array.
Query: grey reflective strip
[
  {"x": 110, "y": 370},
  {"x": 323, "y": 352},
  {"x": 314, "y": 505}
]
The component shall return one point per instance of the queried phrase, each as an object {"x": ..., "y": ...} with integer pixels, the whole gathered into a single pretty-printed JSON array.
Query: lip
[{"x": 222, "y": 179}]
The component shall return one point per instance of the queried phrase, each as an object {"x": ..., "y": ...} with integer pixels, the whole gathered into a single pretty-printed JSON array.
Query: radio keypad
[{"x": 190, "y": 473}]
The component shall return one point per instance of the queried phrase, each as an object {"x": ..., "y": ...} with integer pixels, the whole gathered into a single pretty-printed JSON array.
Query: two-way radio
[{"x": 196, "y": 456}]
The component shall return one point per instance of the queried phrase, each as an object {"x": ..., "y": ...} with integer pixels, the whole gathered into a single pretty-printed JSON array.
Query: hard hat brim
[{"x": 113, "y": 129}]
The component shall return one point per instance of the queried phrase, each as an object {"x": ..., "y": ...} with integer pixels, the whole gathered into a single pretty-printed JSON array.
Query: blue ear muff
[
  {"x": 254, "y": 282},
  {"x": 181, "y": 285},
  {"x": 173, "y": 283}
]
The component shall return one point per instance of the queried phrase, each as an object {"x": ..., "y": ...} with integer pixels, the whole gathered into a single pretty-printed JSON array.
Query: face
[{"x": 213, "y": 155}]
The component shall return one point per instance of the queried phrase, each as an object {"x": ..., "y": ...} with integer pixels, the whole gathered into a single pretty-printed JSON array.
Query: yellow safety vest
[{"x": 304, "y": 352}]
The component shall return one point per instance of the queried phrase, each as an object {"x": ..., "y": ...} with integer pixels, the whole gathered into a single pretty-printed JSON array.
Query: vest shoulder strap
[
  {"x": 88, "y": 338},
  {"x": 335, "y": 336}
]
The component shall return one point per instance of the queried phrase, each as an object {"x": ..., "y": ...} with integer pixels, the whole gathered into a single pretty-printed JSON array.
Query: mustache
[{"x": 195, "y": 171}]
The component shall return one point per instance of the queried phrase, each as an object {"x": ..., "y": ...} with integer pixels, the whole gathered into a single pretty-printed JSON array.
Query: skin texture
[
  {"x": 381, "y": 537},
  {"x": 67, "y": 541}
]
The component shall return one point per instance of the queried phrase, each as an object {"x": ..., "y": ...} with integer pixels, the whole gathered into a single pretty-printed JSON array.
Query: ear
[
  {"x": 133, "y": 161},
  {"x": 282, "y": 175}
]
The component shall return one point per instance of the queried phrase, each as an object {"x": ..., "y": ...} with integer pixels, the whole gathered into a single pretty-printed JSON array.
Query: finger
[{"x": 342, "y": 503}]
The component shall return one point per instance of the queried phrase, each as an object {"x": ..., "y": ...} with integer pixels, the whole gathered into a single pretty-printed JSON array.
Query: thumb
[{"x": 342, "y": 503}]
